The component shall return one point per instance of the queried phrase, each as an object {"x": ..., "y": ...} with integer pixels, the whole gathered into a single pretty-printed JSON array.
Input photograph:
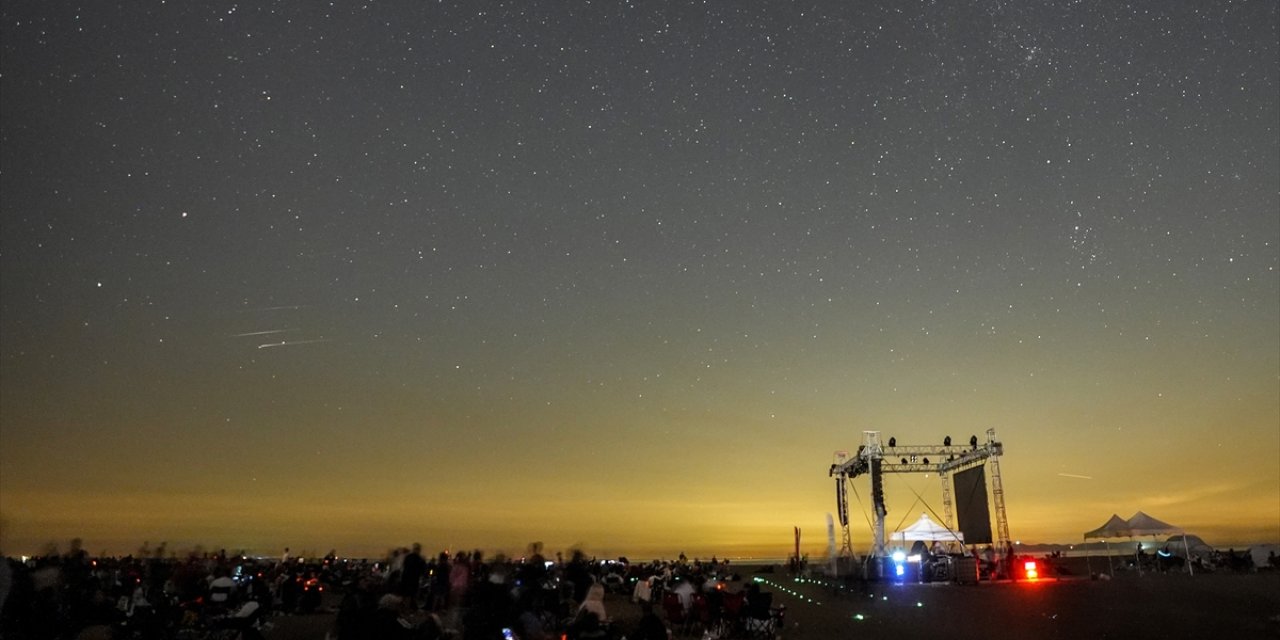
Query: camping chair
[
  {"x": 677, "y": 618},
  {"x": 699, "y": 614},
  {"x": 761, "y": 620},
  {"x": 731, "y": 613}
]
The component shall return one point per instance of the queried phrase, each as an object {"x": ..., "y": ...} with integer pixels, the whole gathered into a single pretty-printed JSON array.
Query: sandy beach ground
[{"x": 1127, "y": 607}]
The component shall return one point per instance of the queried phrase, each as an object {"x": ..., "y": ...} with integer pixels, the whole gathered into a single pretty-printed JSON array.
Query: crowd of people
[
  {"x": 531, "y": 598},
  {"x": 405, "y": 595},
  {"x": 1170, "y": 558},
  {"x": 155, "y": 595}
]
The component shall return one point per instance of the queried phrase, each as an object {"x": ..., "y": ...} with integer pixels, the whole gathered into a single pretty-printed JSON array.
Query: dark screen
[{"x": 971, "y": 505}]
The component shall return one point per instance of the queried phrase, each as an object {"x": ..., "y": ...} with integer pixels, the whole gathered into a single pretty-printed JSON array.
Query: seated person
[{"x": 222, "y": 590}]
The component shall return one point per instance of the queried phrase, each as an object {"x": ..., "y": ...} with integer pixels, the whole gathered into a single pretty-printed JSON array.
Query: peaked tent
[
  {"x": 1142, "y": 524},
  {"x": 1114, "y": 528},
  {"x": 929, "y": 531}
]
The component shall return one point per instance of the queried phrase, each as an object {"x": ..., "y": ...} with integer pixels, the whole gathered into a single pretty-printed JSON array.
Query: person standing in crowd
[
  {"x": 411, "y": 573},
  {"x": 459, "y": 579},
  {"x": 440, "y": 583}
]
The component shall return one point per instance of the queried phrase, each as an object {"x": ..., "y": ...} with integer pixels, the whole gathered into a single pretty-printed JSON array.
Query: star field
[{"x": 390, "y": 271}]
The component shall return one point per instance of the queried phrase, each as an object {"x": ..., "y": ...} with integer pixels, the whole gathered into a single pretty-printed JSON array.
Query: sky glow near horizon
[{"x": 625, "y": 275}]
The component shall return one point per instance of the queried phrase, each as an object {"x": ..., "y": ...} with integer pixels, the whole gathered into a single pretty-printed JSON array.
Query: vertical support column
[
  {"x": 842, "y": 506},
  {"x": 877, "y": 500},
  {"x": 946, "y": 497},
  {"x": 997, "y": 492},
  {"x": 872, "y": 452}
]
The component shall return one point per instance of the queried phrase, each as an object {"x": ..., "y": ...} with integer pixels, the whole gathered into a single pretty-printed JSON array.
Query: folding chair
[{"x": 677, "y": 618}]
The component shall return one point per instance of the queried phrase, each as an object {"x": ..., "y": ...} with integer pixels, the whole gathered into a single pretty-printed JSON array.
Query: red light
[{"x": 1030, "y": 566}]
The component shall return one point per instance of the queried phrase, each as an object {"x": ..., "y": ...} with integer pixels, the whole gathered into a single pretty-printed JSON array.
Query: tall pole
[{"x": 797, "y": 548}]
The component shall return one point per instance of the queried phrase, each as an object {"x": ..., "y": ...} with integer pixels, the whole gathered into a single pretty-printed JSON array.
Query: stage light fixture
[
  {"x": 946, "y": 442},
  {"x": 893, "y": 442}
]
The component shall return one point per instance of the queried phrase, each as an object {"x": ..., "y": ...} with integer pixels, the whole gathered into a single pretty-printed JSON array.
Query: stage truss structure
[{"x": 876, "y": 459}]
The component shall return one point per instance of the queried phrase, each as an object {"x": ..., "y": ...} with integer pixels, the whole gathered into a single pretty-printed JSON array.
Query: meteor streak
[
  {"x": 286, "y": 343},
  {"x": 259, "y": 333}
]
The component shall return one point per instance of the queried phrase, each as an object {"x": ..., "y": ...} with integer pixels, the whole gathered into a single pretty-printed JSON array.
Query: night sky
[{"x": 625, "y": 275}]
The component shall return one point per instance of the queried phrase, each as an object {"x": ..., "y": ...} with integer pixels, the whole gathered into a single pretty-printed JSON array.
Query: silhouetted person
[
  {"x": 411, "y": 576},
  {"x": 579, "y": 575}
]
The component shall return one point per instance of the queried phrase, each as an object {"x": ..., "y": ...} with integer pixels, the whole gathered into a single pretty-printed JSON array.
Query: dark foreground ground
[{"x": 1126, "y": 608}]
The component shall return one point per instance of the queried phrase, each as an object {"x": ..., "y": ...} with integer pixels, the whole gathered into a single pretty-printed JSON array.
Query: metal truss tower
[
  {"x": 997, "y": 494},
  {"x": 842, "y": 508}
]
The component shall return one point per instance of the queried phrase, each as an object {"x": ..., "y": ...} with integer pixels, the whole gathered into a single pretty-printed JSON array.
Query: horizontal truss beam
[{"x": 947, "y": 459}]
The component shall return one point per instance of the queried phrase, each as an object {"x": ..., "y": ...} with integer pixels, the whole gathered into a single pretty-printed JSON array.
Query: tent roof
[
  {"x": 1114, "y": 528},
  {"x": 1142, "y": 524},
  {"x": 926, "y": 529}
]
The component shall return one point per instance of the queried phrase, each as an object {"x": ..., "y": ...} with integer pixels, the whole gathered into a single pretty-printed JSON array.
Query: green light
[{"x": 858, "y": 617}]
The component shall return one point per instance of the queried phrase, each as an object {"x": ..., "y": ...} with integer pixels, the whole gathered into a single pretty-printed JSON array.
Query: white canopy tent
[{"x": 927, "y": 530}]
